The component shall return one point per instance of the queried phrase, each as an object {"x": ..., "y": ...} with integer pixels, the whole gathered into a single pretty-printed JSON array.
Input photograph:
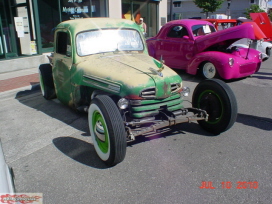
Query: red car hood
[
  {"x": 224, "y": 38},
  {"x": 263, "y": 22},
  {"x": 257, "y": 31}
]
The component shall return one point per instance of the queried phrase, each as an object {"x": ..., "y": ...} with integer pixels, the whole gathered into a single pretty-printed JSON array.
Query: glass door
[
  {"x": 7, "y": 39},
  {"x": 3, "y": 44},
  {"x": 25, "y": 36},
  {"x": 146, "y": 10},
  {"x": 23, "y": 30}
]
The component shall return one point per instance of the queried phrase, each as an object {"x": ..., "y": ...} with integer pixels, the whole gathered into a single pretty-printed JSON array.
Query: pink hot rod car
[{"x": 196, "y": 46}]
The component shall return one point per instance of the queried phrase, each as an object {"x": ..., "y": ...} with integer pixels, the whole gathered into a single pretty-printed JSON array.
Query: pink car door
[{"x": 176, "y": 48}]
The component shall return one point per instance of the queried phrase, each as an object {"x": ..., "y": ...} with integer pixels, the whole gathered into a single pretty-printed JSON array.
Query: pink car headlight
[{"x": 231, "y": 61}]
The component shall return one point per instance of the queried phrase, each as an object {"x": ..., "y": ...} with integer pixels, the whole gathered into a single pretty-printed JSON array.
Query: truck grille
[
  {"x": 148, "y": 93},
  {"x": 174, "y": 87},
  {"x": 151, "y": 92},
  {"x": 147, "y": 108}
]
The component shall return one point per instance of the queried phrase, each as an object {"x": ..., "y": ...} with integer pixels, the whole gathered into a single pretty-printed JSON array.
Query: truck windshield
[{"x": 108, "y": 40}]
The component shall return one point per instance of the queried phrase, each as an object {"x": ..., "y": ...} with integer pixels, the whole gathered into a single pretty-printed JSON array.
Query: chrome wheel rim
[{"x": 209, "y": 70}]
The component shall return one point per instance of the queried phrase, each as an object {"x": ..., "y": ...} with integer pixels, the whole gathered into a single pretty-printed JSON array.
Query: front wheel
[
  {"x": 107, "y": 130},
  {"x": 208, "y": 70},
  {"x": 218, "y": 100}
]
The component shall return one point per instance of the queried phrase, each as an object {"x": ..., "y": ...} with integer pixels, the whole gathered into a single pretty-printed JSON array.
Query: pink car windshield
[{"x": 202, "y": 29}]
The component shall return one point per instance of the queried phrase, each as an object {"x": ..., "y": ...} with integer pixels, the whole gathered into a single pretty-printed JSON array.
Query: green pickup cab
[{"x": 102, "y": 66}]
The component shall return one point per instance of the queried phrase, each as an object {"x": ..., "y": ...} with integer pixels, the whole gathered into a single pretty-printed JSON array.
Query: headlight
[
  {"x": 122, "y": 103},
  {"x": 231, "y": 61},
  {"x": 185, "y": 91}
]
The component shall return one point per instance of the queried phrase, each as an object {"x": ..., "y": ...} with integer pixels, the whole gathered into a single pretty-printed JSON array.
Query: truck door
[{"x": 62, "y": 63}]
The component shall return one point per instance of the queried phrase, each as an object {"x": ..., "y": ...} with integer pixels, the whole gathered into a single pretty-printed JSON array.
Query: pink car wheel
[{"x": 208, "y": 70}]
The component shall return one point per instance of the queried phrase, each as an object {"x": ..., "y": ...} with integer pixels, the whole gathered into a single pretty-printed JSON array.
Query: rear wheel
[
  {"x": 107, "y": 130},
  {"x": 46, "y": 81},
  {"x": 208, "y": 70},
  {"x": 218, "y": 100}
]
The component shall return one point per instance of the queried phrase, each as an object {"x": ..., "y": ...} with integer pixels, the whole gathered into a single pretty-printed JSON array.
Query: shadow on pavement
[
  {"x": 80, "y": 151},
  {"x": 74, "y": 148},
  {"x": 34, "y": 87},
  {"x": 264, "y": 73},
  {"x": 262, "y": 77},
  {"x": 53, "y": 108},
  {"x": 182, "y": 128},
  {"x": 255, "y": 121}
]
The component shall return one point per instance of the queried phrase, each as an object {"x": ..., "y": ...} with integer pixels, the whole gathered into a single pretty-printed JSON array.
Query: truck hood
[
  {"x": 224, "y": 38},
  {"x": 131, "y": 72}
]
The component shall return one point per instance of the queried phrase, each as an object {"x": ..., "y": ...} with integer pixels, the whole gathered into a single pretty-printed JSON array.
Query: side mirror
[{"x": 185, "y": 37}]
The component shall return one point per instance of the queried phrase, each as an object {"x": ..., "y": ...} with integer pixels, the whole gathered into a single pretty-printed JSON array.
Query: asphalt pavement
[{"x": 49, "y": 147}]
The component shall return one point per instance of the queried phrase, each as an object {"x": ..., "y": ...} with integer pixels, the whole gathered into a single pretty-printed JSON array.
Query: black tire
[
  {"x": 268, "y": 51},
  {"x": 208, "y": 70},
  {"x": 218, "y": 100},
  {"x": 107, "y": 130},
  {"x": 46, "y": 81}
]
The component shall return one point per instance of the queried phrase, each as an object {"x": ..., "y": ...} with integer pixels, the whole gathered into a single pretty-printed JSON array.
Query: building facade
[
  {"x": 27, "y": 26},
  {"x": 182, "y": 9}
]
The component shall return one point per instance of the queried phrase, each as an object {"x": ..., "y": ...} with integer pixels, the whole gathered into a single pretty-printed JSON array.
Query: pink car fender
[
  {"x": 213, "y": 57},
  {"x": 241, "y": 66}
]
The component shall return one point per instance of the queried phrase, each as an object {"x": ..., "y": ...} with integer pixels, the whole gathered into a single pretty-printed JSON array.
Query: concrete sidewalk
[
  {"x": 21, "y": 79},
  {"x": 20, "y": 73}
]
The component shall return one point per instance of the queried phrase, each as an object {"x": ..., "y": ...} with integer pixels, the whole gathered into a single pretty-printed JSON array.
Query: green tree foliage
[
  {"x": 208, "y": 5},
  {"x": 270, "y": 16},
  {"x": 254, "y": 8}
]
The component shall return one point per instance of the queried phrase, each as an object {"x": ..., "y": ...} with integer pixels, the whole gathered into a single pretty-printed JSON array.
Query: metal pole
[
  {"x": 171, "y": 10},
  {"x": 228, "y": 8},
  {"x": 37, "y": 26}
]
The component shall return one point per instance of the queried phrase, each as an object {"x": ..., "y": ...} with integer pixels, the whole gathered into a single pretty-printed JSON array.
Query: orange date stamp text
[{"x": 229, "y": 185}]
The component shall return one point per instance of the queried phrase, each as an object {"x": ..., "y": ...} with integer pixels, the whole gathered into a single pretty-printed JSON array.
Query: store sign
[
  {"x": 33, "y": 47},
  {"x": 76, "y": 8},
  {"x": 19, "y": 26}
]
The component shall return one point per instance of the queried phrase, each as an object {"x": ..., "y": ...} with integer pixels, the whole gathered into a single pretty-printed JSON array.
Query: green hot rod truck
[{"x": 102, "y": 66}]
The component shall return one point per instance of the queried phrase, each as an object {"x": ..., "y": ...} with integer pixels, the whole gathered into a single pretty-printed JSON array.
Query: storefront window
[
  {"x": 74, "y": 9},
  {"x": 153, "y": 28},
  {"x": 5, "y": 32},
  {"x": 51, "y": 13},
  {"x": 134, "y": 10},
  {"x": 49, "y": 18}
]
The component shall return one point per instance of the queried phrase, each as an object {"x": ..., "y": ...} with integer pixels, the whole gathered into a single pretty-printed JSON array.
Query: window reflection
[{"x": 100, "y": 41}]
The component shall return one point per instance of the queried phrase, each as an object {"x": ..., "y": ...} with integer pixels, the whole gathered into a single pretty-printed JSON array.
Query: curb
[{"x": 20, "y": 92}]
